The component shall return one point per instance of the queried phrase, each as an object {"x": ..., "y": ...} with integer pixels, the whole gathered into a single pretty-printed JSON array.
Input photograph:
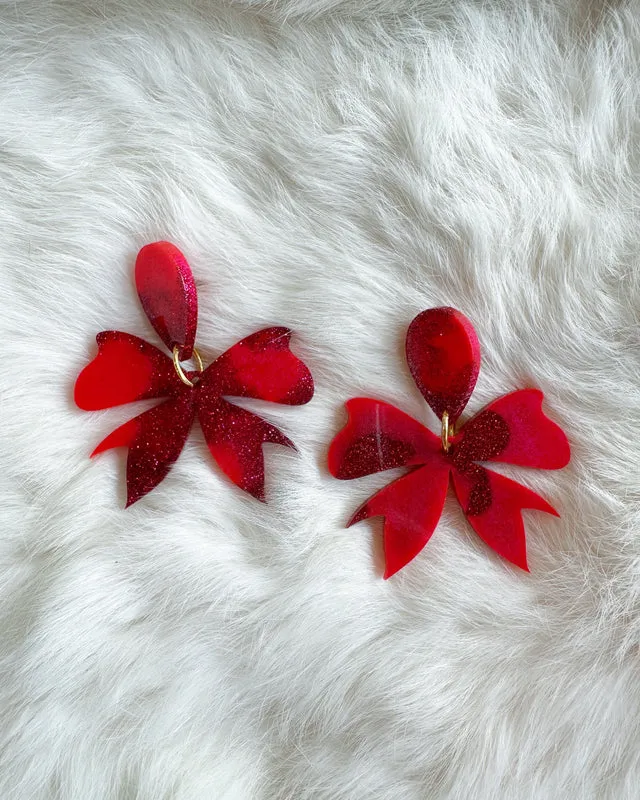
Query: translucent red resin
[
  {"x": 443, "y": 355},
  {"x": 127, "y": 369},
  {"x": 168, "y": 295}
]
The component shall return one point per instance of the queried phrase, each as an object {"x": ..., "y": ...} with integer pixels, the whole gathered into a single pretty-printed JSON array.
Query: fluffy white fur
[{"x": 335, "y": 167}]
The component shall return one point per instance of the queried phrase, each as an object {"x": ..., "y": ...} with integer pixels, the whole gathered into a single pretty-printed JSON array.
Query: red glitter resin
[
  {"x": 444, "y": 358},
  {"x": 443, "y": 354},
  {"x": 127, "y": 369},
  {"x": 168, "y": 295}
]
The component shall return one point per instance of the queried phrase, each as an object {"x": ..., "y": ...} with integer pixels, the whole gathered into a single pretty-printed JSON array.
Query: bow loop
[
  {"x": 124, "y": 370},
  {"x": 263, "y": 367}
]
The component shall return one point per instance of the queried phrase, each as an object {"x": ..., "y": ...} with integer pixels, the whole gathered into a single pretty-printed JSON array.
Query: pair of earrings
[{"x": 443, "y": 354}]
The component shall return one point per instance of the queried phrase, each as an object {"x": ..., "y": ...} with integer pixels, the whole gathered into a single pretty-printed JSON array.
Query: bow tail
[
  {"x": 493, "y": 505},
  {"x": 235, "y": 437},
  {"x": 155, "y": 440},
  {"x": 411, "y": 507}
]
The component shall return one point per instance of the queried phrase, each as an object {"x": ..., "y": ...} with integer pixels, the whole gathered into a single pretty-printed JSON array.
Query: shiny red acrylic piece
[
  {"x": 444, "y": 358},
  {"x": 443, "y": 354},
  {"x": 127, "y": 369},
  {"x": 168, "y": 295}
]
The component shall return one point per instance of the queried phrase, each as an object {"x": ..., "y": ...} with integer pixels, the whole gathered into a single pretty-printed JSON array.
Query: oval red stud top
[
  {"x": 443, "y": 354},
  {"x": 168, "y": 295}
]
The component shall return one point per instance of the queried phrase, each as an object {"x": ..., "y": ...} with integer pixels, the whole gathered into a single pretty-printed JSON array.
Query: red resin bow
[
  {"x": 443, "y": 354},
  {"x": 127, "y": 368}
]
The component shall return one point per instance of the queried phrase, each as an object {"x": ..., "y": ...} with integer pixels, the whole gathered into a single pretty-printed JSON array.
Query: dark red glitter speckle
[
  {"x": 235, "y": 437},
  {"x": 168, "y": 295},
  {"x": 480, "y": 493},
  {"x": 262, "y": 366},
  {"x": 443, "y": 355},
  {"x": 483, "y": 437},
  {"x": 388, "y": 452},
  {"x": 127, "y": 369},
  {"x": 159, "y": 438},
  {"x": 379, "y": 436},
  {"x": 124, "y": 370}
]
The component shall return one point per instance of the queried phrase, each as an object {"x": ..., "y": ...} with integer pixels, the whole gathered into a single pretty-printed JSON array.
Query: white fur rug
[{"x": 335, "y": 167}]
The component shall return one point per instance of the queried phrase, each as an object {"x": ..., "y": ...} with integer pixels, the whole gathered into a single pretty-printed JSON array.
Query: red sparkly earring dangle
[
  {"x": 126, "y": 369},
  {"x": 443, "y": 354}
]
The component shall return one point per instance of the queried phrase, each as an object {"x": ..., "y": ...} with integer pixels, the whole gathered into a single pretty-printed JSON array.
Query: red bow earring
[
  {"x": 127, "y": 368},
  {"x": 443, "y": 354}
]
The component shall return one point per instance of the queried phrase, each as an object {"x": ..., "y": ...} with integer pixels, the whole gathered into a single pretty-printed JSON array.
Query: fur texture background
[{"x": 335, "y": 167}]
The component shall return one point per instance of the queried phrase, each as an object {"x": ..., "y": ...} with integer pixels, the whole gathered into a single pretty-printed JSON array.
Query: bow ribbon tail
[
  {"x": 155, "y": 440},
  {"x": 493, "y": 505},
  {"x": 411, "y": 507},
  {"x": 235, "y": 437}
]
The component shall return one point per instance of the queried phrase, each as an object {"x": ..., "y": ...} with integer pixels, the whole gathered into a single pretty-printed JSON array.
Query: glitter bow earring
[
  {"x": 443, "y": 354},
  {"x": 127, "y": 369}
]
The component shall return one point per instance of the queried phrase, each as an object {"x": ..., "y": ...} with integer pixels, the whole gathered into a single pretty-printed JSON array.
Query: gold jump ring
[
  {"x": 178, "y": 365},
  {"x": 446, "y": 432}
]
